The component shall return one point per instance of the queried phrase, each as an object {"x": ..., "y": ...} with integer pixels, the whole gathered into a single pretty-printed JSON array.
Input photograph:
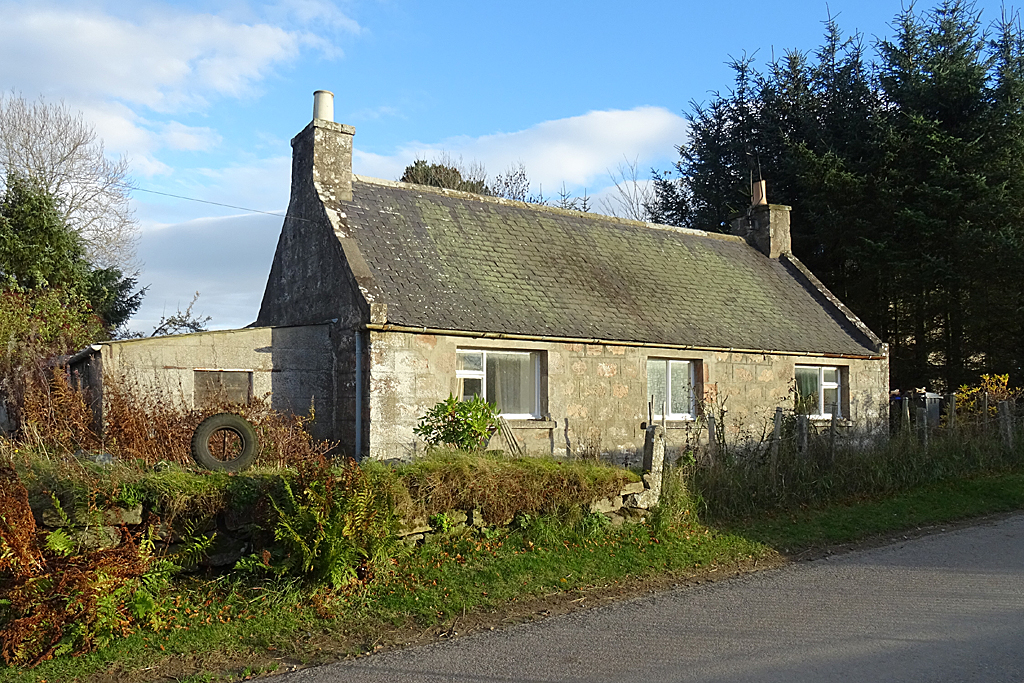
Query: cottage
[{"x": 580, "y": 327}]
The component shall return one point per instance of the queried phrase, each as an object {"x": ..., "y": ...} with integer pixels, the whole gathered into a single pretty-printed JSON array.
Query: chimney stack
[
  {"x": 758, "y": 193},
  {"x": 322, "y": 154},
  {"x": 765, "y": 226}
]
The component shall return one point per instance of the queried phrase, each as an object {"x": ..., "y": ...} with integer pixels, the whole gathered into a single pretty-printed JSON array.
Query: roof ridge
[{"x": 543, "y": 207}]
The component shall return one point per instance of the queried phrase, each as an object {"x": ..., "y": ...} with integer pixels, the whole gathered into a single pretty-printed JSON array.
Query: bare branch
[
  {"x": 182, "y": 322},
  {"x": 632, "y": 195}
]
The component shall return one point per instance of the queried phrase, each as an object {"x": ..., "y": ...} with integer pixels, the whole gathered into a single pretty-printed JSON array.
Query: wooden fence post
[
  {"x": 801, "y": 433},
  {"x": 922, "y": 425},
  {"x": 951, "y": 412},
  {"x": 832, "y": 433},
  {"x": 984, "y": 411},
  {"x": 776, "y": 438},
  {"x": 1006, "y": 424},
  {"x": 904, "y": 412},
  {"x": 712, "y": 439}
]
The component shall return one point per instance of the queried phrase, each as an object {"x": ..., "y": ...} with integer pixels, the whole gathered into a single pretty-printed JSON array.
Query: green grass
[
  {"x": 430, "y": 586},
  {"x": 929, "y": 505}
]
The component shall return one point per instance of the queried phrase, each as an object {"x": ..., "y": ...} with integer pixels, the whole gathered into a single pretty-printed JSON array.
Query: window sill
[
  {"x": 673, "y": 424},
  {"x": 518, "y": 423},
  {"x": 827, "y": 419}
]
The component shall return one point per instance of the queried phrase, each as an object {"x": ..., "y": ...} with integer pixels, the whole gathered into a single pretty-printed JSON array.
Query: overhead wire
[{"x": 133, "y": 188}]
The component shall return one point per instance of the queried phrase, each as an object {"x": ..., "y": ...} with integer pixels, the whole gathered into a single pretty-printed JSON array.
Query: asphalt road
[{"x": 946, "y": 607}]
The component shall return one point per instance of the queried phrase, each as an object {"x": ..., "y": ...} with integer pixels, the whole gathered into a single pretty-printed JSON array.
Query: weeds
[
  {"x": 748, "y": 480},
  {"x": 499, "y": 487},
  {"x": 145, "y": 428}
]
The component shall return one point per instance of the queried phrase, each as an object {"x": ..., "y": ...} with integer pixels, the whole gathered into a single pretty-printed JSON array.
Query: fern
[
  {"x": 59, "y": 509},
  {"x": 60, "y": 542},
  {"x": 196, "y": 546},
  {"x": 336, "y": 529}
]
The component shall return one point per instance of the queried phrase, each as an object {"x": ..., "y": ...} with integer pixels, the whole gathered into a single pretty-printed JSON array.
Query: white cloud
[
  {"x": 164, "y": 62},
  {"x": 227, "y": 260},
  {"x": 130, "y": 75},
  {"x": 192, "y": 138},
  {"x": 261, "y": 184},
  {"x": 315, "y": 12},
  {"x": 578, "y": 151}
]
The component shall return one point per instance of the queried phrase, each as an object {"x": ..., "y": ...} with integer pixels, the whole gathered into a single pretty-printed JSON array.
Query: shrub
[
  {"x": 970, "y": 400},
  {"x": 35, "y": 327},
  {"x": 151, "y": 429},
  {"x": 466, "y": 425}
]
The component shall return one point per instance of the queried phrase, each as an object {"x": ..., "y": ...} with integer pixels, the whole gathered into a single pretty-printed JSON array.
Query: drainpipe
[{"x": 359, "y": 395}]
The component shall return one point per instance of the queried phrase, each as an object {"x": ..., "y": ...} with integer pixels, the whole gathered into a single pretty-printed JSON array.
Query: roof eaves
[
  {"x": 476, "y": 334},
  {"x": 834, "y": 300}
]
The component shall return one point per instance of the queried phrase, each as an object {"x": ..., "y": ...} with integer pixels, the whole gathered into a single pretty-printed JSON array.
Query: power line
[
  {"x": 205, "y": 201},
  {"x": 133, "y": 188}
]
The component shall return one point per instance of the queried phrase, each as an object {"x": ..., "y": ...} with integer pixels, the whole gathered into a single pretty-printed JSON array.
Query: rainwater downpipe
[{"x": 358, "y": 394}]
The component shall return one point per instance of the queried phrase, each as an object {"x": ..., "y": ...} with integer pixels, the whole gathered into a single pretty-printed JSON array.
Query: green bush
[{"x": 466, "y": 425}]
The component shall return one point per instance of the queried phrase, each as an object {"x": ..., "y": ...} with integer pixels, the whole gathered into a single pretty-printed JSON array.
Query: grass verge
[
  {"x": 926, "y": 506},
  {"x": 219, "y": 629}
]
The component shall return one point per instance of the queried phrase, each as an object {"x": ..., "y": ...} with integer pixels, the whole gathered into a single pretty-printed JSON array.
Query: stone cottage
[{"x": 580, "y": 327}]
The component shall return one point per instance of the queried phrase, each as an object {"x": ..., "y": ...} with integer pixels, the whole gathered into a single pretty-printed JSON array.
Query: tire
[{"x": 229, "y": 428}]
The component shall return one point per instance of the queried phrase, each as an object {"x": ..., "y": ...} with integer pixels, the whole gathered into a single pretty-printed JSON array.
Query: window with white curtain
[
  {"x": 670, "y": 382},
  {"x": 509, "y": 379},
  {"x": 818, "y": 388}
]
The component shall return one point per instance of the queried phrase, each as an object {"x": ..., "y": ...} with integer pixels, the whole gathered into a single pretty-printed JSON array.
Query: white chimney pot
[{"x": 323, "y": 105}]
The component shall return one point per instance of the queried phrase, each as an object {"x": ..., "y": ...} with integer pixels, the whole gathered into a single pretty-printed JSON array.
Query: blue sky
[{"x": 203, "y": 98}]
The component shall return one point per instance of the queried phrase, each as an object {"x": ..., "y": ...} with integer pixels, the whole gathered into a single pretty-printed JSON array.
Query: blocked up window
[
  {"x": 214, "y": 387},
  {"x": 510, "y": 379},
  {"x": 818, "y": 388},
  {"x": 671, "y": 382}
]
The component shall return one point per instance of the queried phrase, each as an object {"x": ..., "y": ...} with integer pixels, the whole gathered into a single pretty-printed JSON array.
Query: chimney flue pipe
[{"x": 323, "y": 105}]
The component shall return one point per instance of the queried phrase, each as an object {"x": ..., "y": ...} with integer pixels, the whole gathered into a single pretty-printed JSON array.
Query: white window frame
[
  {"x": 822, "y": 414},
  {"x": 656, "y": 410},
  {"x": 482, "y": 376}
]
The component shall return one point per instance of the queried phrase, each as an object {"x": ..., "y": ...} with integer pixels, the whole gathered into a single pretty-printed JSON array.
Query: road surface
[{"x": 946, "y": 607}]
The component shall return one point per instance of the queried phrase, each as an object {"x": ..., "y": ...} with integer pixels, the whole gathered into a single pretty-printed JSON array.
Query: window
[
  {"x": 817, "y": 390},
  {"x": 222, "y": 386},
  {"x": 510, "y": 379},
  {"x": 670, "y": 382}
]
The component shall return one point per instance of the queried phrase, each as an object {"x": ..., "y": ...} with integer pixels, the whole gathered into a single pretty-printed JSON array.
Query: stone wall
[{"x": 595, "y": 395}]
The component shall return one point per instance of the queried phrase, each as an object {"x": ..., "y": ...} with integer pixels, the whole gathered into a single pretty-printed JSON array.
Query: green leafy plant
[
  {"x": 195, "y": 545},
  {"x": 466, "y": 425},
  {"x": 441, "y": 523},
  {"x": 332, "y": 526}
]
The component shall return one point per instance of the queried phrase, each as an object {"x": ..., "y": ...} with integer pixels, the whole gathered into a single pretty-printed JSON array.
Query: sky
[{"x": 203, "y": 98}]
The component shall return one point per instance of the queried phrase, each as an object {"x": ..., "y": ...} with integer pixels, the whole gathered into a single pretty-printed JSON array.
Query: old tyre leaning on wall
[{"x": 225, "y": 442}]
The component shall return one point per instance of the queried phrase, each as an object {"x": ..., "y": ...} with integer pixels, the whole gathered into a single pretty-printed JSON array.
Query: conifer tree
[{"x": 905, "y": 178}]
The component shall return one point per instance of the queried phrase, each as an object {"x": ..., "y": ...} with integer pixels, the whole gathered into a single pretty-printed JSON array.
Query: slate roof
[{"x": 455, "y": 261}]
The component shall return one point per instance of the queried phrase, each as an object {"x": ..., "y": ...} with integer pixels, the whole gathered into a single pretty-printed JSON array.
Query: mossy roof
[{"x": 455, "y": 261}]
